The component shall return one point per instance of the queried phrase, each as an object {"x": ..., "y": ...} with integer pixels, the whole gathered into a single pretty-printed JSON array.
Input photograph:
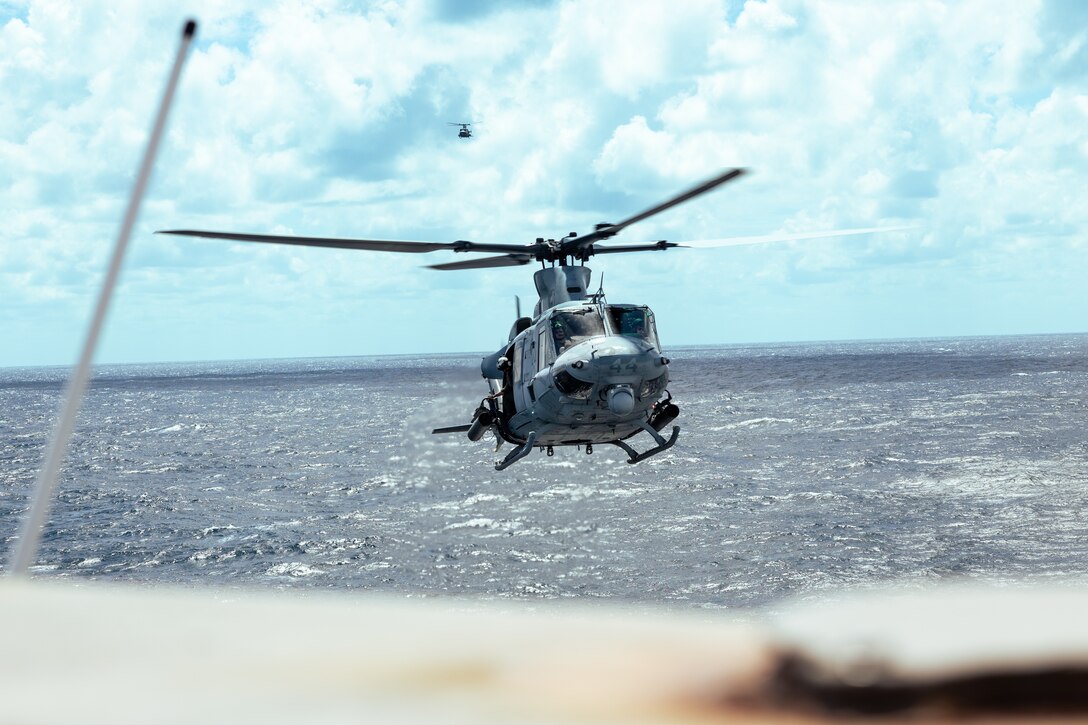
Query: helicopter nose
[
  {"x": 621, "y": 399},
  {"x": 616, "y": 345}
]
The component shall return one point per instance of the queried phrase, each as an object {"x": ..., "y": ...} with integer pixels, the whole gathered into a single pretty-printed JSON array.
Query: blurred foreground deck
[{"x": 94, "y": 652}]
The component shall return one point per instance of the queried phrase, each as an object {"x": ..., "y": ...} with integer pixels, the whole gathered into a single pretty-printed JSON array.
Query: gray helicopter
[{"x": 580, "y": 371}]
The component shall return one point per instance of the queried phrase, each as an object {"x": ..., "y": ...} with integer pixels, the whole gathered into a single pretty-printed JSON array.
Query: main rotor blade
[
  {"x": 374, "y": 245},
  {"x": 659, "y": 246},
  {"x": 679, "y": 198},
  {"x": 606, "y": 231},
  {"x": 377, "y": 245},
  {"x": 506, "y": 260},
  {"x": 763, "y": 239}
]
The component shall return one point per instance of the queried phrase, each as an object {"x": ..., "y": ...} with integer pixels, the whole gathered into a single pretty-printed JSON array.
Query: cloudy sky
[{"x": 966, "y": 120}]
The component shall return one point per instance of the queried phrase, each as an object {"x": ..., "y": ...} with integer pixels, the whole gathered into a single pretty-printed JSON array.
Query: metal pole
[{"x": 26, "y": 548}]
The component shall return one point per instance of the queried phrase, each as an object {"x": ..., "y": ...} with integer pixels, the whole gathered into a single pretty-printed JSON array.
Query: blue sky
[{"x": 967, "y": 120}]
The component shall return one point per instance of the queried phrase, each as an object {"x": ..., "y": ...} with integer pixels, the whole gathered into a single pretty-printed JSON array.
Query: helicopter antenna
[
  {"x": 599, "y": 294},
  {"x": 517, "y": 306}
]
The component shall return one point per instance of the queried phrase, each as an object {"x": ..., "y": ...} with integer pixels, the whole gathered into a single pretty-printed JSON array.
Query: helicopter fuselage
[{"x": 581, "y": 372}]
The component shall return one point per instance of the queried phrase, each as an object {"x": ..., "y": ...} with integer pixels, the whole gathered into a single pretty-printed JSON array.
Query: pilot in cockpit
[
  {"x": 633, "y": 324},
  {"x": 561, "y": 336}
]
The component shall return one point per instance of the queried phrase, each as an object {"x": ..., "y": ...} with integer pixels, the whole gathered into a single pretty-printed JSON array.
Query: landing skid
[
  {"x": 662, "y": 444},
  {"x": 518, "y": 453}
]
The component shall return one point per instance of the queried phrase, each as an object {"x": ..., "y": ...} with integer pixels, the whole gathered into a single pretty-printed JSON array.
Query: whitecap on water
[
  {"x": 294, "y": 569},
  {"x": 484, "y": 523}
]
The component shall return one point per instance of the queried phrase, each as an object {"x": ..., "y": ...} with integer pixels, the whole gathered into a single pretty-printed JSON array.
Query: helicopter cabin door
[{"x": 524, "y": 370}]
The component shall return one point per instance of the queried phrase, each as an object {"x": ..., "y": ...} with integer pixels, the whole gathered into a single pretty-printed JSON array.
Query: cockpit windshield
[
  {"x": 572, "y": 327},
  {"x": 633, "y": 322}
]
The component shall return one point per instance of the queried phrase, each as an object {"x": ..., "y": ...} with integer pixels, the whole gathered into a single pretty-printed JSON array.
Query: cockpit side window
[
  {"x": 634, "y": 322},
  {"x": 571, "y": 328},
  {"x": 651, "y": 330}
]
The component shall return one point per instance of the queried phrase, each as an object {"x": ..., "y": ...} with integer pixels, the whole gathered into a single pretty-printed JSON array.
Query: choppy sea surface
[{"x": 801, "y": 469}]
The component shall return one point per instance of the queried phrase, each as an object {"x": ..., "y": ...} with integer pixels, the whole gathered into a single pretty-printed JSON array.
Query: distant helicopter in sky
[
  {"x": 580, "y": 371},
  {"x": 465, "y": 132}
]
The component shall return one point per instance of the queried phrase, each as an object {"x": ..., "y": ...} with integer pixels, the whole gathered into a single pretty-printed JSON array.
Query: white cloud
[{"x": 765, "y": 16}]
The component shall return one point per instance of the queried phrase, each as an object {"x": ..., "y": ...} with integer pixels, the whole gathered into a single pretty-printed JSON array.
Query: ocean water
[{"x": 801, "y": 469}]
